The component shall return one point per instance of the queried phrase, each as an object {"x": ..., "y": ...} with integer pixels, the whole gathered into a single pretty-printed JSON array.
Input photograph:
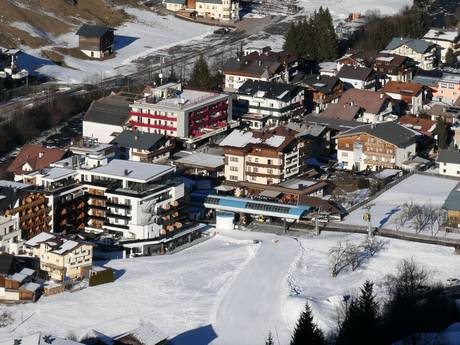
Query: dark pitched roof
[
  {"x": 138, "y": 140},
  {"x": 321, "y": 83},
  {"x": 420, "y": 46},
  {"x": 452, "y": 202},
  {"x": 347, "y": 112},
  {"x": 93, "y": 30},
  {"x": 271, "y": 90},
  {"x": 38, "y": 157},
  {"x": 357, "y": 73},
  {"x": 10, "y": 195},
  {"x": 371, "y": 101},
  {"x": 330, "y": 122},
  {"x": 111, "y": 110},
  {"x": 390, "y": 132},
  {"x": 449, "y": 156}
]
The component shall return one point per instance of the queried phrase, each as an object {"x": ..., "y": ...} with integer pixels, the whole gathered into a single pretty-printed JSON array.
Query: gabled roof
[
  {"x": 93, "y": 30},
  {"x": 452, "y": 202},
  {"x": 110, "y": 110},
  {"x": 320, "y": 83},
  {"x": 276, "y": 139},
  {"x": 356, "y": 73},
  {"x": 147, "y": 334},
  {"x": 270, "y": 90},
  {"x": 443, "y": 35},
  {"x": 347, "y": 112},
  {"x": 408, "y": 89},
  {"x": 139, "y": 140},
  {"x": 37, "y": 157},
  {"x": 449, "y": 156},
  {"x": 390, "y": 132},
  {"x": 424, "y": 126},
  {"x": 371, "y": 101},
  {"x": 420, "y": 46}
]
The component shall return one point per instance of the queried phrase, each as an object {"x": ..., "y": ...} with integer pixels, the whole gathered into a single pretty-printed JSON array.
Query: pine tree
[
  {"x": 450, "y": 57},
  {"x": 201, "y": 77},
  {"x": 441, "y": 132},
  {"x": 361, "y": 323},
  {"x": 306, "y": 332},
  {"x": 269, "y": 340}
]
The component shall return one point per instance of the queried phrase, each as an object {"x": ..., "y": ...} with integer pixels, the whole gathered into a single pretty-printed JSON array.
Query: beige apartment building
[
  {"x": 61, "y": 258},
  {"x": 266, "y": 158},
  {"x": 222, "y": 10}
]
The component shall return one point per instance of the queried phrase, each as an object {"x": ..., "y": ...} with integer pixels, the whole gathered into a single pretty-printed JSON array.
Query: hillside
[{"x": 35, "y": 23}]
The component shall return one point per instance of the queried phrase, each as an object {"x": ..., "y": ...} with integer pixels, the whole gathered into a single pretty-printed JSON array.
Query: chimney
[
  {"x": 40, "y": 155},
  {"x": 381, "y": 95},
  {"x": 126, "y": 172}
]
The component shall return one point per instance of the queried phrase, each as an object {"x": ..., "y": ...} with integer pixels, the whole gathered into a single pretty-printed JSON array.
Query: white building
[
  {"x": 445, "y": 39},
  {"x": 221, "y": 10},
  {"x": 421, "y": 51},
  {"x": 128, "y": 198},
  {"x": 10, "y": 234},
  {"x": 449, "y": 162},
  {"x": 278, "y": 101}
]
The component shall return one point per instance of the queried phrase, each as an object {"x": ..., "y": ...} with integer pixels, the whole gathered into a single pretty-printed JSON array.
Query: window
[
  {"x": 233, "y": 159},
  {"x": 344, "y": 154},
  {"x": 233, "y": 168},
  {"x": 444, "y": 170},
  {"x": 257, "y": 160},
  {"x": 233, "y": 178},
  {"x": 270, "y": 171}
]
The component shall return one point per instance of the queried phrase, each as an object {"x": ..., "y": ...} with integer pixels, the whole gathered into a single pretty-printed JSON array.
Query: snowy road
[{"x": 252, "y": 305}]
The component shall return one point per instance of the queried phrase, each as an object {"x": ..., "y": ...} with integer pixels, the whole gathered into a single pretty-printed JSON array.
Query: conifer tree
[
  {"x": 441, "y": 132},
  {"x": 450, "y": 57},
  {"x": 201, "y": 77},
  {"x": 307, "y": 332},
  {"x": 269, "y": 340}
]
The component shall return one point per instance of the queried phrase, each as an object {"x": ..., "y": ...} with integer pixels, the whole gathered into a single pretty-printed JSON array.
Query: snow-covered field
[
  {"x": 419, "y": 189},
  {"x": 225, "y": 291},
  {"x": 313, "y": 282},
  {"x": 342, "y": 8},
  {"x": 146, "y": 33}
]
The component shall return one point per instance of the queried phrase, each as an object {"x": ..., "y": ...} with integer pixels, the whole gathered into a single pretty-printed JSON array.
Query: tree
[
  {"x": 361, "y": 323},
  {"x": 307, "y": 332},
  {"x": 269, "y": 340},
  {"x": 201, "y": 77},
  {"x": 450, "y": 57},
  {"x": 442, "y": 133}
]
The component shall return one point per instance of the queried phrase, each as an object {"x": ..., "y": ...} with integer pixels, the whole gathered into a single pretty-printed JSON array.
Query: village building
[
  {"x": 448, "y": 89},
  {"x": 40, "y": 338},
  {"x": 89, "y": 152},
  {"x": 106, "y": 117},
  {"x": 321, "y": 90},
  {"x": 452, "y": 206},
  {"x": 10, "y": 234},
  {"x": 263, "y": 157},
  {"x": 17, "y": 286},
  {"x": 146, "y": 334},
  {"x": 445, "y": 40},
  {"x": 220, "y": 10},
  {"x": 360, "y": 105},
  {"x": 188, "y": 115},
  {"x": 142, "y": 146},
  {"x": 200, "y": 164},
  {"x": 275, "y": 102},
  {"x": 394, "y": 67},
  {"x": 126, "y": 198},
  {"x": 406, "y": 96},
  {"x": 424, "y": 126},
  {"x": 260, "y": 64},
  {"x": 375, "y": 146},
  {"x": 362, "y": 78},
  {"x": 449, "y": 162},
  {"x": 421, "y": 51},
  {"x": 61, "y": 258},
  {"x": 96, "y": 41},
  {"x": 28, "y": 205},
  {"x": 32, "y": 158},
  {"x": 449, "y": 114}
]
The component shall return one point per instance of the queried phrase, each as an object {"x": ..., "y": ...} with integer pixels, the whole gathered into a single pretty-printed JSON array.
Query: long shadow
[
  {"x": 32, "y": 63},
  {"x": 118, "y": 273},
  {"x": 120, "y": 42},
  {"x": 198, "y": 336},
  {"x": 388, "y": 216}
]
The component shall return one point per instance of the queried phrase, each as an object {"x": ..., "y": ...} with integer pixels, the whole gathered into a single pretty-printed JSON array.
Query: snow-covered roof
[
  {"x": 443, "y": 35},
  {"x": 41, "y": 237},
  {"x": 32, "y": 287},
  {"x": 131, "y": 170},
  {"x": 66, "y": 246},
  {"x": 147, "y": 334},
  {"x": 239, "y": 138},
  {"x": 202, "y": 159}
]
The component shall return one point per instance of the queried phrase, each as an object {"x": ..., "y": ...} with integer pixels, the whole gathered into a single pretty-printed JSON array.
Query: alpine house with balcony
[
  {"x": 264, "y": 157},
  {"x": 134, "y": 200}
]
